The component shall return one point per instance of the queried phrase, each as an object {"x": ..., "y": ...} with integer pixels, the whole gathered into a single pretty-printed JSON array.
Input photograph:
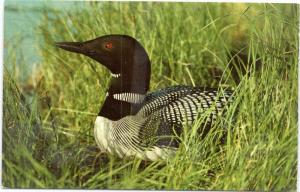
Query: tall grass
[{"x": 188, "y": 43}]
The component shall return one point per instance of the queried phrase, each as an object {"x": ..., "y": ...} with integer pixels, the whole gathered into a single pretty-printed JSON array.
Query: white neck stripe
[
  {"x": 116, "y": 75},
  {"x": 129, "y": 97}
]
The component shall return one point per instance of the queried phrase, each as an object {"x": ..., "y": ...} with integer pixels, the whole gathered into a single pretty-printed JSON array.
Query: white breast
[{"x": 102, "y": 130}]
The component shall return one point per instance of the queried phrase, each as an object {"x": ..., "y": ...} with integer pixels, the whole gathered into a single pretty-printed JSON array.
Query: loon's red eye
[{"x": 108, "y": 45}]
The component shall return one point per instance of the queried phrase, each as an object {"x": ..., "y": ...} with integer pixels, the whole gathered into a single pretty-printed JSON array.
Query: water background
[{"x": 21, "y": 20}]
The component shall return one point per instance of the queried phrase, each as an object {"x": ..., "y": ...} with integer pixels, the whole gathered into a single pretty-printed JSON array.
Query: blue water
[{"x": 21, "y": 19}]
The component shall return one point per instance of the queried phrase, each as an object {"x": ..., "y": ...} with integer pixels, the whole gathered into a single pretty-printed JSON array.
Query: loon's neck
[{"x": 134, "y": 78}]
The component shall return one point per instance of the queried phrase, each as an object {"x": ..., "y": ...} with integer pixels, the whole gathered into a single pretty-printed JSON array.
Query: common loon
[{"x": 133, "y": 122}]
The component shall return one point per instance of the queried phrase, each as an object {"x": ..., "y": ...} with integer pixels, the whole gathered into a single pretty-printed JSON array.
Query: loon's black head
[
  {"x": 119, "y": 53},
  {"x": 127, "y": 59}
]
